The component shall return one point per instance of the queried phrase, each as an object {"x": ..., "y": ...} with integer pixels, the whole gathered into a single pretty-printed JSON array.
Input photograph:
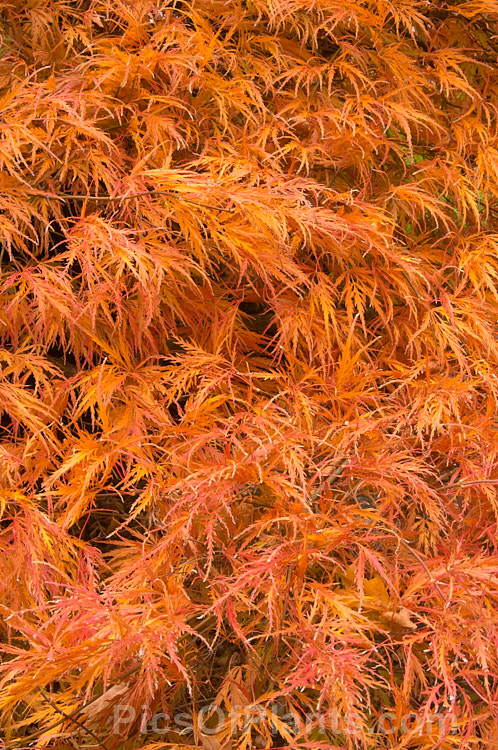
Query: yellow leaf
[{"x": 375, "y": 588}]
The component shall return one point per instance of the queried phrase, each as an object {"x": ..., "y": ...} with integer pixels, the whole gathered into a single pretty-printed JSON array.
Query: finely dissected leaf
[{"x": 248, "y": 373}]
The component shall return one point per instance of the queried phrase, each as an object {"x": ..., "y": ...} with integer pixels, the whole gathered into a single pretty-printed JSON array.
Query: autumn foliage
[{"x": 248, "y": 386}]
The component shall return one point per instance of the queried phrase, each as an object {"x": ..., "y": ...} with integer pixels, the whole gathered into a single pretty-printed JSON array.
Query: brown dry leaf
[
  {"x": 95, "y": 708},
  {"x": 238, "y": 697},
  {"x": 400, "y": 619},
  {"x": 211, "y": 742}
]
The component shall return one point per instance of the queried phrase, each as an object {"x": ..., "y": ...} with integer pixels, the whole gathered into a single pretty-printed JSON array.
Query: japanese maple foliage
[{"x": 248, "y": 387}]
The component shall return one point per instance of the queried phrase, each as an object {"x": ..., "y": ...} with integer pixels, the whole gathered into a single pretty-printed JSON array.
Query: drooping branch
[{"x": 68, "y": 197}]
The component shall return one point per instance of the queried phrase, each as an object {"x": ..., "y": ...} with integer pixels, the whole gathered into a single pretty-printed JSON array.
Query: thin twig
[
  {"x": 66, "y": 197},
  {"x": 470, "y": 483},
  {"x": 329, "y": 478},
  {"x": 333, "y": 476},
  {"x": 70, "y": 716},
  {"x": 421, "y": 561}
]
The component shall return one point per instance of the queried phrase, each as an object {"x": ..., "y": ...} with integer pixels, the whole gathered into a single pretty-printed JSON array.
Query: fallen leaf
[
  {"x": 95, "y": 708},
  {"x": 401, "y": 619},
  {"x": 211, "y": 742}
]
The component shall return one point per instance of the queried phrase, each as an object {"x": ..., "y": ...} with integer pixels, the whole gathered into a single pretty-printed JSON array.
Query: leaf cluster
[{"x": 248, "y": 372}]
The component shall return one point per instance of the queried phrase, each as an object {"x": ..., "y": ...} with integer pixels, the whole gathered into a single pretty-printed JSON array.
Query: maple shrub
[{"x": 248, "y": 387}]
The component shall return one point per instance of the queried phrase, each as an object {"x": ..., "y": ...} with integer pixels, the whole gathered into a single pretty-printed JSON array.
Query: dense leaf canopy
[{"x": 248, "y": 384}]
